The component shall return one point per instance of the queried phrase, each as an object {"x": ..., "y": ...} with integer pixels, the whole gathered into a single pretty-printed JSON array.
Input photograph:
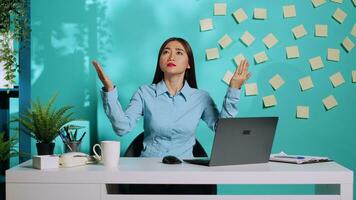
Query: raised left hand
[{"x": 241, "y": 75}]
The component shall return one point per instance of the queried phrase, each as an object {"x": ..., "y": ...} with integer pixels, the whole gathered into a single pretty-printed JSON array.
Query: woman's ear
[{"x": 188, "y": 67}]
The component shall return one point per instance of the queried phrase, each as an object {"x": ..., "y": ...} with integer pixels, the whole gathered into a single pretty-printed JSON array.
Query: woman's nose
[{"x": 171, "y": 57}]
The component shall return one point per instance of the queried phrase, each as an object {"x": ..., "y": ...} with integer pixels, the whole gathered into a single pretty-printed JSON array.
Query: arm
[
  {"x": 229, "y": 109},
  {"x": 122, "y": 121},
  {"x": 232, "y": 97}
]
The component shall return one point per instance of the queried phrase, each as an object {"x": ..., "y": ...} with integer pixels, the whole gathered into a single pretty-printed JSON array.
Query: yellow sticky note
[
  {"x": 321, "y": 30},
  {"x": 317, "y": 3},
  {"x": 269, "y": 101},
  {"x": 270, "y": 40},
  {"x": 292, "y": 52},
  {"x": 299, "y": 31},
  {"x": 260, "y": 13},
  {"x": 339, "y": 15},
  {"x": 276, "y": 82},
  {"x": 238, "y": 58},
  {"x": 333, "y": 54},
  {"x": 337, "y": 1},
  {"x": 220, "y": 9},
  {"x": 225, "y": 41},
  {"x": 303, "y": 112},
  {"x": 289, "y": 11},
  {"x": 247, "y": 38},
  {"x": 316, "y": 63},
  {"x": 227, "y": 77},
  {"x": 206, "y": 24},
  {"x": 354, "y": 2},
  {"x": 260, "y": 57},
  {"x": 306, "y": 83},
  {"x": 329, "y": 102},
  {"x": 251, "y": 89},
  {"x": 212, "y": 53},
  {"x": 348, "y": 44},
  {"x": 353, "y": 31},
  {"x": 354, "y": 76},
  {"x": 240, "y": 15},
  {"x": 337, "y": 79}
]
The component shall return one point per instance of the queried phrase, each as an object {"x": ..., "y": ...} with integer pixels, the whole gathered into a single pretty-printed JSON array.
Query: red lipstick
[{"x": 171, "y": 65}]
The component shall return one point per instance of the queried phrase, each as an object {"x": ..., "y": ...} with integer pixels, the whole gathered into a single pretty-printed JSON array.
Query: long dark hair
[{"x": 189, "y": 74}]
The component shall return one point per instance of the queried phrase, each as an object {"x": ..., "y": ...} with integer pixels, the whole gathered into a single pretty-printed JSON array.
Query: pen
[
  {"x": 82, "y": 137},
  {"x": 294, "y": 157},
  {"x": 65, "y": 142}
]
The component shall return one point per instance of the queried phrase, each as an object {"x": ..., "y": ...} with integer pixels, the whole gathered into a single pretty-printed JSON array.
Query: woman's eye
[
  {"x": 165, "y": 52},
  {"x": 179, "y": 53}
]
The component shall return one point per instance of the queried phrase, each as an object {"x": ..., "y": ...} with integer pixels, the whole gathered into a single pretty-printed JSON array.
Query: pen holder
[{"x": 74, "y": 146}]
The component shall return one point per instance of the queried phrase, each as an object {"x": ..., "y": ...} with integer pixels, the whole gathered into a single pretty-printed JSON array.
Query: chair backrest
[{"x": 136, "y": 146}]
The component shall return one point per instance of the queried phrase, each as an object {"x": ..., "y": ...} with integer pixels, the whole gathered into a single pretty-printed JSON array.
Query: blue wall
[{"x": 125, "y": 36}]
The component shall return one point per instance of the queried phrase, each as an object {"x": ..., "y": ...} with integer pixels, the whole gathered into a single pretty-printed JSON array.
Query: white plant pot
[{"x": 4, "y": 82}]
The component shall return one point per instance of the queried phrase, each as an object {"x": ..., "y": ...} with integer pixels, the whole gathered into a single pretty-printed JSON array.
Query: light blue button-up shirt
[{"x": 169, "y": 121}]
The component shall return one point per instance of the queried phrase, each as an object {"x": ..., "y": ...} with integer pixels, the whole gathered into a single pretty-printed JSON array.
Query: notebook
[
  {"x": 241, "y": 141},
  {"x": 297, "y": 159}
]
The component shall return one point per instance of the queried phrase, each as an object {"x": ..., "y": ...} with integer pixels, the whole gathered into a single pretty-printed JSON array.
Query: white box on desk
[{"x": 45, "y": 162}]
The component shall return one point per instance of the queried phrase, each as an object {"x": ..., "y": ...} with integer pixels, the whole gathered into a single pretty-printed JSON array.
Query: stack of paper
[{"x": 297, "y": 159}]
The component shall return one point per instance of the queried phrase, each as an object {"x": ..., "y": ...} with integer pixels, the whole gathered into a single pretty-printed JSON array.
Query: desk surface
[{"x": 152, "y": 170}]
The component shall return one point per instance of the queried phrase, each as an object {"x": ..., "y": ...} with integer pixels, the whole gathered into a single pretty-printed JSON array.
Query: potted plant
[
  {"x": 14, "y": 27},
  {"x": 44, "y": 123},
  {"x": 7, "y": 150}
]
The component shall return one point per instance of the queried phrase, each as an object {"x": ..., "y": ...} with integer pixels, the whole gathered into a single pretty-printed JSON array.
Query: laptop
[{"x": 241, "y": 141}]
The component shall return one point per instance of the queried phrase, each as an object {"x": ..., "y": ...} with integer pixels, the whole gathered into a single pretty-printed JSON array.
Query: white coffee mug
[{"x": 110, "y": 153}]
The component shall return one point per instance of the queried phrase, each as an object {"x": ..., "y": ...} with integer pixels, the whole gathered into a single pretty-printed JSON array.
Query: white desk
[{"x": 332, "y": 180}]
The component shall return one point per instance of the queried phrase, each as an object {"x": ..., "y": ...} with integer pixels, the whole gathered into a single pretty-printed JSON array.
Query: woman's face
[{"x": 174, "y": 59}]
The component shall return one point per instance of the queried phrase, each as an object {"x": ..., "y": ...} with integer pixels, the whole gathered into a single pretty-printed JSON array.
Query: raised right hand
[{"x": 102, "y": 76}]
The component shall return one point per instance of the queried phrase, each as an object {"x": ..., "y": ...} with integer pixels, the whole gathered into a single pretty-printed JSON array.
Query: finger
[
  {"x": 97, "y": 66},
  {"x": 242, "y": 63},
  {"x": 248, "y": 76},
  {"x": 244, "y": 70}
]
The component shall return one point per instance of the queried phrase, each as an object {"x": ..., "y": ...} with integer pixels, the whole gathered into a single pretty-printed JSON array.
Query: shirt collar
[{"x": 162, "y": 88}]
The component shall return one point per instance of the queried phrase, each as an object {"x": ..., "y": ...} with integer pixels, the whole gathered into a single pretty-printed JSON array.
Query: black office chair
[
  {"x": 136, "y": 146},
  {"x": 134, "y": 150}
]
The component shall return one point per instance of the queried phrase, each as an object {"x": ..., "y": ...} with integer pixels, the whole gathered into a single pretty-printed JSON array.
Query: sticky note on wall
[
  {"x": 339, "y": 15},
  {"x": 247, "y": 38},
  {"x": 354, "y": 76},
  {"x": 270, "y": 40},
  {"x": 212, "y": 53},
  {"x": 299, "y": 31},
  {"x": 260, "y": 13},
  {"x": 321, "y": 30},
  {"x": 240, "y": 15},
  {"x": 260, "y": 57},
  {"x": 303, "y": 112},
  {"x": 269, "y": 101},
  {"x": 289, "y": 11},
  {"x": 306, "y": 83},
  {"x": 206, "y": 24},
  {"x": 329, "y": 102},
  {"x": 348, "y": 44},
  {"x": 227, "y": 77},
  {"x": 333, "y": 54},
  {"x": 276, "y": 81},
  {"x": 316, "y": 63},
  {"x": 220, "y": 9},
  {"x": 251, "y": 89},
  {"x": 353, "y": 30},
  {"x": 317, "y": 3},
  {"x": 225, "y": 41},
  {"x": 337, "y": 79},
  {"x": 292, "y": 52}
]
